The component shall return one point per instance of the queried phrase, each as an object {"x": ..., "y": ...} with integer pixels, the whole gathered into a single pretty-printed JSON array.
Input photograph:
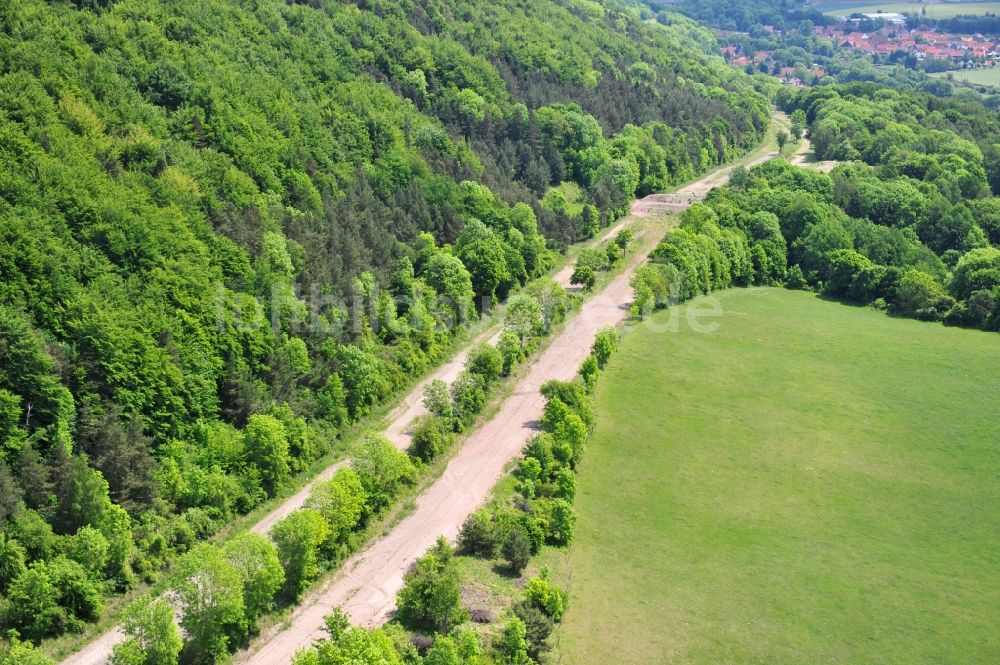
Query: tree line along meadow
[
  {"x": 907, "y": 223},
  {"x": 231, "y": 233}
]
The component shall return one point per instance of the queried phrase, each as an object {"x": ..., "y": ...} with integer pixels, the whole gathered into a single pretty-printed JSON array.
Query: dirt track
[
  {"x": 367, "y": 584},
  {"x": 398, "y": 421}
]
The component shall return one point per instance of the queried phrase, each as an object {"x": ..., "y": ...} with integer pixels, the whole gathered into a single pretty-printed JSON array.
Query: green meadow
[
  {"x": 941, "y": 10},
  {"x": 988, "y": 77},
  {"x": 811, "y": 483}
]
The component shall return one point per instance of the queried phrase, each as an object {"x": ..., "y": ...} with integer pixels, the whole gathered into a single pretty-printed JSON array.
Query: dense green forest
[
  {"x": 908, "y": 223},
  {"x": 231, "y": 228},
  {"x": 742, "y": 15}
]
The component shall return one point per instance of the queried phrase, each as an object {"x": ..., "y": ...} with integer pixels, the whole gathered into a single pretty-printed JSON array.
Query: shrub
[
  {"x": 431, "y": 596},
  {"x": 431, "y": 437},
  {"x": 517, "y": 549},
  {"x": 546, "y": 596}
]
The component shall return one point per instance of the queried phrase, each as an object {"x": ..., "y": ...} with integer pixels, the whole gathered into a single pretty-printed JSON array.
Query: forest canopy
[{"x": 228, "y": 230}]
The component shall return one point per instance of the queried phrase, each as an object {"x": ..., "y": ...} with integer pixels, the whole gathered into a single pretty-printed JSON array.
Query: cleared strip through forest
[{"x": 367, "y": 582}]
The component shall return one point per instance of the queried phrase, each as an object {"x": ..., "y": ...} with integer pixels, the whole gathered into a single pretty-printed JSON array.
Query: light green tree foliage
[
  {"x": 604, "y": 345},
  {"x": 486, "y": 361},
  {"x": 468, "y": 397},
  {"x": 383, "y": 471},
  {"x": 266, "y": 445},
  {"x": 32, "y": 603},
  {"x": 116, "y": 527},
  {"x": 209, "y": 593},
  {"x": 437, "y": 399},
  {"x": 256, "y": 560},
  {"x": 347, "y": 645},
  {"x": 299, "y": 537},
  {"x": 23, "y": 653},
  {"x": 918, "y": 294},
  {"x": 431, "y": 595},
  {"x": 430, "y": 436},
  {"x": 523, "y": 316},
  {"x": 152, "y": 637},
  {"x": 448, "y": 276},
  {"x": 547, "y": 596},
  {"x": 511, "y": 352},
  {"x": 341, "y": 502},
  {"x": 89, "y": 548},
  {"x": 12, "y": 560},
  {"x": 510, "y": 645}
]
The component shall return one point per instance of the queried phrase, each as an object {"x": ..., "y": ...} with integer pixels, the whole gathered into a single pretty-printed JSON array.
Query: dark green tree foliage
[{"x": 517, "y": 549}]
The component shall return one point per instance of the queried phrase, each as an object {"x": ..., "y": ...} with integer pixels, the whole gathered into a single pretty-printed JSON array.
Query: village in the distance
[{"x": 887, "y": 40}]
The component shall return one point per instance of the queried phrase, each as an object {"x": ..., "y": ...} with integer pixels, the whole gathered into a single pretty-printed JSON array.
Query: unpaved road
[
  {"x": 367, "y": 583},
  {"x": 398, "y": 422},
  {"x": 680, "y": 200},
  {"x": 805, "y": 158}
]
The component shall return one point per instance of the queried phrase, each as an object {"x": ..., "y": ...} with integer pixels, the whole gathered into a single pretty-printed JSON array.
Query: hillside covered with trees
[{"x": 229, "y": 229}]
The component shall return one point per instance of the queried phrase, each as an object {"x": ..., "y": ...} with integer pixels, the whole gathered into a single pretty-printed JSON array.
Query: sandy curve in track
[{"x": 368, "y": 582}]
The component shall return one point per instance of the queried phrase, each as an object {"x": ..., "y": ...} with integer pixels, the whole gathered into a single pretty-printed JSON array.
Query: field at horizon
[
  {"x": 942, "y": 10},
  {"x": 813, "y": 482}
]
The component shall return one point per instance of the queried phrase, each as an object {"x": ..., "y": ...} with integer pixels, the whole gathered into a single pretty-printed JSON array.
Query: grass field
[
  {"x": 988, "y": 77},
  {"x": 935, "y": 10},
  {"x": 812, "y": 483}
]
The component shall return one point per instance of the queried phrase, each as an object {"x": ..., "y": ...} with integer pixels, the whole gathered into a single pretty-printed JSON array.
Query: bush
[
  {"x": 431, "y": 437},
  {"x": 430, "y": 597},
  {"x": 517, "y": 549},
  {"x": 546, "y": 596},
  {"x": 478, "y": 535}
]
